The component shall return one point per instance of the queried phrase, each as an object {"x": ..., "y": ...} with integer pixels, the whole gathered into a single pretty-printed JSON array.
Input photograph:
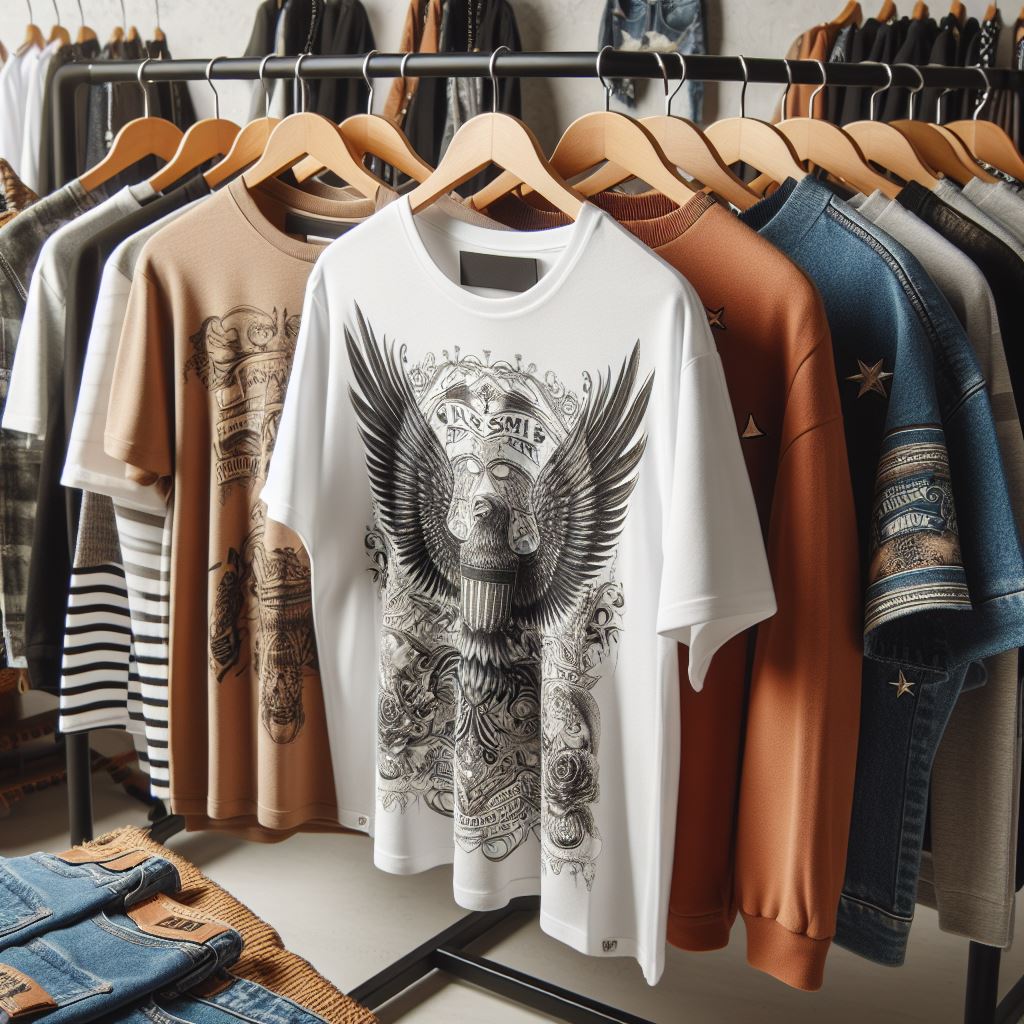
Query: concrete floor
[{"x": 332, "y": 906}]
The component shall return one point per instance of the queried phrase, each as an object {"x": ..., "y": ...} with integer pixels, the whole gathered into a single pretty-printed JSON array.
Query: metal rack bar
[{"x": 446, "y": 951}]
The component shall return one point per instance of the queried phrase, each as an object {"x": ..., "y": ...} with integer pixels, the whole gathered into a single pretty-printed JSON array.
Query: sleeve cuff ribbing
[{"x": 796, "y": 960}]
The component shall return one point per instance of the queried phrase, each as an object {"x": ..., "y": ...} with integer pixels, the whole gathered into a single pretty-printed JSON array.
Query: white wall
[{"x": 757, "y": 28}]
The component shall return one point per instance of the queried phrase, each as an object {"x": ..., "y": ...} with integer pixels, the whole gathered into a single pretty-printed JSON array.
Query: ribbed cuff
[
  {"x": 700, "y": 934},
  {"x": 796, "y": 960}
]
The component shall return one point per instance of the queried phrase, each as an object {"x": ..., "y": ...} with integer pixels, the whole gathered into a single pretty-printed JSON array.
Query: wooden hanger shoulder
[
  {"x": 137, "y": 140},
  {"x": 246, "y": 149},
  {"x": 884, "y": 145},
  {"x": 757, "y": 143},
  {"x": 947, "y": 157},
  {"x": 203, "y": 141},
  {"x": 990, "y": 143}
]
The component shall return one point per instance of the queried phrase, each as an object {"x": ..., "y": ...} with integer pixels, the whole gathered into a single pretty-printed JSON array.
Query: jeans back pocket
[
  {"x": 20, "y": 904},
  {"x": 64, "y": 982}
]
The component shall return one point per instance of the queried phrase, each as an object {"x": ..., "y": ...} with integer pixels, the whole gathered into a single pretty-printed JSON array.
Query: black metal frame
[{"x": 447, "y": 950}]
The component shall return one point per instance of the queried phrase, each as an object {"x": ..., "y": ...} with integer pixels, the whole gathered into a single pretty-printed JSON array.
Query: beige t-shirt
[{"x": 199, "y": 384}]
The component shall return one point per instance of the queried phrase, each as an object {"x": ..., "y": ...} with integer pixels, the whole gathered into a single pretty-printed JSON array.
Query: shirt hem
[
  {"x": 606, "y": 946},
  {"x": 266, "y": 817}
]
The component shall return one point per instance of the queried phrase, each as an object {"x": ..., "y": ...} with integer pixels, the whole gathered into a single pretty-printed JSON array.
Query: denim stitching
[
  {"x": 59, "y": 962},
  {"x": 877, "y": 910}
]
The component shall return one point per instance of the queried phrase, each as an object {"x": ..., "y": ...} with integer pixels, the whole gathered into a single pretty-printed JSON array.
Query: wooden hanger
[
  {"x": 685, "y": 146},
  {"x": 920, "y": 11},
  {"x": 33, "y": 33},
  {"x": 502, "y": 140},
  {"x": 371, "y": 135},
  {"x": 85, "y": 34},
  {"x": 939, "y": 148},
  {"x": 987, "y": 140},
  {"x": 886, "y": 12},
  {"x": 830, "y": 148},
  {"x": 249, "y": 143},
  {"x": 958, "y": 12},
  {"x": 206, "y": 139},
  {"x": 594, "y": 138},
  {"x": 851, "y": 14},
  {"x": 144, "y": 137},
  {"x": 58, "y": 34},
  {"x": 889, "y": 148},
  {"x": 991, "y": 13},
  {"x": 750, "y": 141},
  {"x": 308, "y": 134}
]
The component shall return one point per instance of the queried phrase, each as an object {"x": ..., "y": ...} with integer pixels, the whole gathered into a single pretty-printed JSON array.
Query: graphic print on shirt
[
  {"x": 263, "y": 599},
  {"x": 499, "y": 496}
]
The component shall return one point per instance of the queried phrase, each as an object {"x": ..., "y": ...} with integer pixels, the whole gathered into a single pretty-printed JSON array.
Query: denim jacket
[{"x": 20, "y": 455}]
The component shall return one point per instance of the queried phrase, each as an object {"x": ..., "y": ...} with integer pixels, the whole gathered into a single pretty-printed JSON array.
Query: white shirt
[
  {"x": 515, "y": 506},
  {"x": 32, "y": 133},
  {"x": 15, "y": 77}
]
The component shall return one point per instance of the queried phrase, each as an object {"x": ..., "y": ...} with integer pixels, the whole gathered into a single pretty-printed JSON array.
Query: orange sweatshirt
[{"x": 769, "y": 746}]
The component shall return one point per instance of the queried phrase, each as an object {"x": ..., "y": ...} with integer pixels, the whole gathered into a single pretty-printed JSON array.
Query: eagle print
[{"x": 499, "y": 497}]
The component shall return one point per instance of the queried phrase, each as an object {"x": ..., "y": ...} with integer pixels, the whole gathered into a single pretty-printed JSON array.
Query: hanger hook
[
  {"x": 789, "y": 84},
  {"x": 368, "y": 80},
  {"x": 31, "y": 16},
  {"x": 263, "y": 82},
  {"x": 124, "y": 18},
  {"x": 682, "y": 81},
  {"x": 938, "y": 105},
  {"x": 142, "y": 86},
  {"x": 877, "y": 92},
  {"x": 664, "y": 74},
  {"x": 492, "y": 71},
  {"x": 743, "y": 88},
  {"x": 984, "y": 96},
  {"x": 56, "y": 12},
  {"x": 209, "y": 82},
  {"x": 915, "y": 89},
  {"x": 81, "y": 14},
  {"x": 401, "y": 67},
  {"x": 156, "y": 4},
  {"x": 818, "y": 89},
  {"x": 298, "y": 78},
  {"x": 607, "y": 87}
]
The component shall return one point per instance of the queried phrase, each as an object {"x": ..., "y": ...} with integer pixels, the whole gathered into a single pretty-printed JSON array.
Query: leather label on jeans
[
  {"x": 167, "y": 919},
  {"x": 113, "y": 862},
  {"x": 21, "y": 996}
]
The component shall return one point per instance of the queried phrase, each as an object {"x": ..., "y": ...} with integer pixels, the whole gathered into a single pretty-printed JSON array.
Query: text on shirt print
[
  {"x": 499, "y": 496},
  {"x": 915, "y": 544},
  {"x": 263, "y": 604}
]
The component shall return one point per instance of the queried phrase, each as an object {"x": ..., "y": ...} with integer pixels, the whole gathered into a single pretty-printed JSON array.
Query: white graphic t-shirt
[{"x": 515, "y": 504}]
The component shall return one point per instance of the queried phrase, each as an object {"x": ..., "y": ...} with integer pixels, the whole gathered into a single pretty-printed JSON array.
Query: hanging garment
[
  {"x": 170, "y": 100},
  {"x": 788, "y": 843},
  {"x": 968, "y": 872},
  {"x": 31, "y": 138},
  {"x": 945, "y": 50},
  {"x": 339, "y": 98},
  {"x": 111, "y": 104},
  {"x": 853, "y": 96},
  {"x": 15, "y": 77},
  {"x": 952, "y": 195},
  {"x": 220, "y": 335},
  {"x": 659, "y": 26},
  {"x": 894, "y": 103},
  {"x": 1000, "y": 201},
  {"x": 20, "y": 244},
  {"x": 840, "y": 54},
  {"x": 507, "y": 702},
  {"x": 263, "y": 41},
  {"x": 936, "y": 439},
  {"x": 14, "y": 194},
  {"x": 421, "y": 33}
]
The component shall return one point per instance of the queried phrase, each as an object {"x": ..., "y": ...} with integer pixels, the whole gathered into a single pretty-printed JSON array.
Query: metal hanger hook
[
  {"x": 368, "y": 80},
  {"x": 81, "y": 14},
  {"x": 209, "y": 82},
  {"x": 401, "y": 67},
  {"x": 938, "y": 105},
  {"x": 877, "y": 92},
  {"x": 263, "y": 82},
  {"x": 915, "y": 89},
  {"x": 31, "y": 16},
  {"x": 682, "y": 82},
  {"x": 789, "y": 84},
  {"x": 607, "y": 87},
  {"x": 743, "y": 88},
  {"x": 56, "y": 12},
  {"x": 984, "y": 96},
  {"x": 664, "y": 75},
  {"x": 818, "y": 89},
  {"x": 302, "y": 82},
  {"x": 124, "y": 18},
  {"x": 142, "y": 86},
  {"x": 156, "y": 4},
  {"x": 492, "y": 71}
]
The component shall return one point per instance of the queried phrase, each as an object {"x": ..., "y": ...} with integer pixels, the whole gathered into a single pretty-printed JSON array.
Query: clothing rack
[{"x": 447, "y": 951}]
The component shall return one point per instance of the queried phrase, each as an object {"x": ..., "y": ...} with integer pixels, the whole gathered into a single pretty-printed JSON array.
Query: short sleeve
[
  {"x": 292, "y": 490},
  {"x": 715, "y": 581},
  {"x": 140, "y": 414}
]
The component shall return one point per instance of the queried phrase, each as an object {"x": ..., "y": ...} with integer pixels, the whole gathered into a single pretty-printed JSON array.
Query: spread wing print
[
  {"x": 581, "y": 495},
  {"x": 410, "y": 475}
]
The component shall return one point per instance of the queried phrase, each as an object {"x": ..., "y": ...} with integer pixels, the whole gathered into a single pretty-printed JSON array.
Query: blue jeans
[
  {"x": 241, "y": 1001},
  {"x": 665, "y": 26},
  {"x": 109, "y": 961},
  {"x": 41, "y": 892},
  {"x": 905, "y": 706}
]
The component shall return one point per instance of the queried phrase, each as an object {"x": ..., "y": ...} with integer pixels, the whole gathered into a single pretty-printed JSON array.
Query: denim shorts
[
  {"x": 43, "y": 891},
  {"x": 664, "y": 26},
  {"x": 905, "y": 707},
  {"x": 240, "y": 1001},
  {"x": 112, "y": 960}
]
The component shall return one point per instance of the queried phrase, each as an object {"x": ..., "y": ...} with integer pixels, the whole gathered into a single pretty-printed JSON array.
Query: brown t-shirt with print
[
  {"x": 764, "y": 805},
  {"x": 199, "y": 385}
]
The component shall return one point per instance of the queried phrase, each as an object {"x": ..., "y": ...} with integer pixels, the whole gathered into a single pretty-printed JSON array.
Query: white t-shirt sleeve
[
  {"x": 292, "y": 490},
  {"x": 715, "y": 581},
  {"x": 38, "y": 355}
]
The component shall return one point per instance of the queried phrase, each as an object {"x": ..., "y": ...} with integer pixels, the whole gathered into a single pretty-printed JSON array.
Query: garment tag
[
  {"x": 505, "y": 273},
  {"x": 20, "y": 996},
  {"x": 316, "y": 229},
  {"x": 112, "y": 861},
  {"x": 167, "y": 919}
]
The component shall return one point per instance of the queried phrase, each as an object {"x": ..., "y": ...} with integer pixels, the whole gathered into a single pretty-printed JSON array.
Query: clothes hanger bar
[{"x": 574, "y": 64}]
